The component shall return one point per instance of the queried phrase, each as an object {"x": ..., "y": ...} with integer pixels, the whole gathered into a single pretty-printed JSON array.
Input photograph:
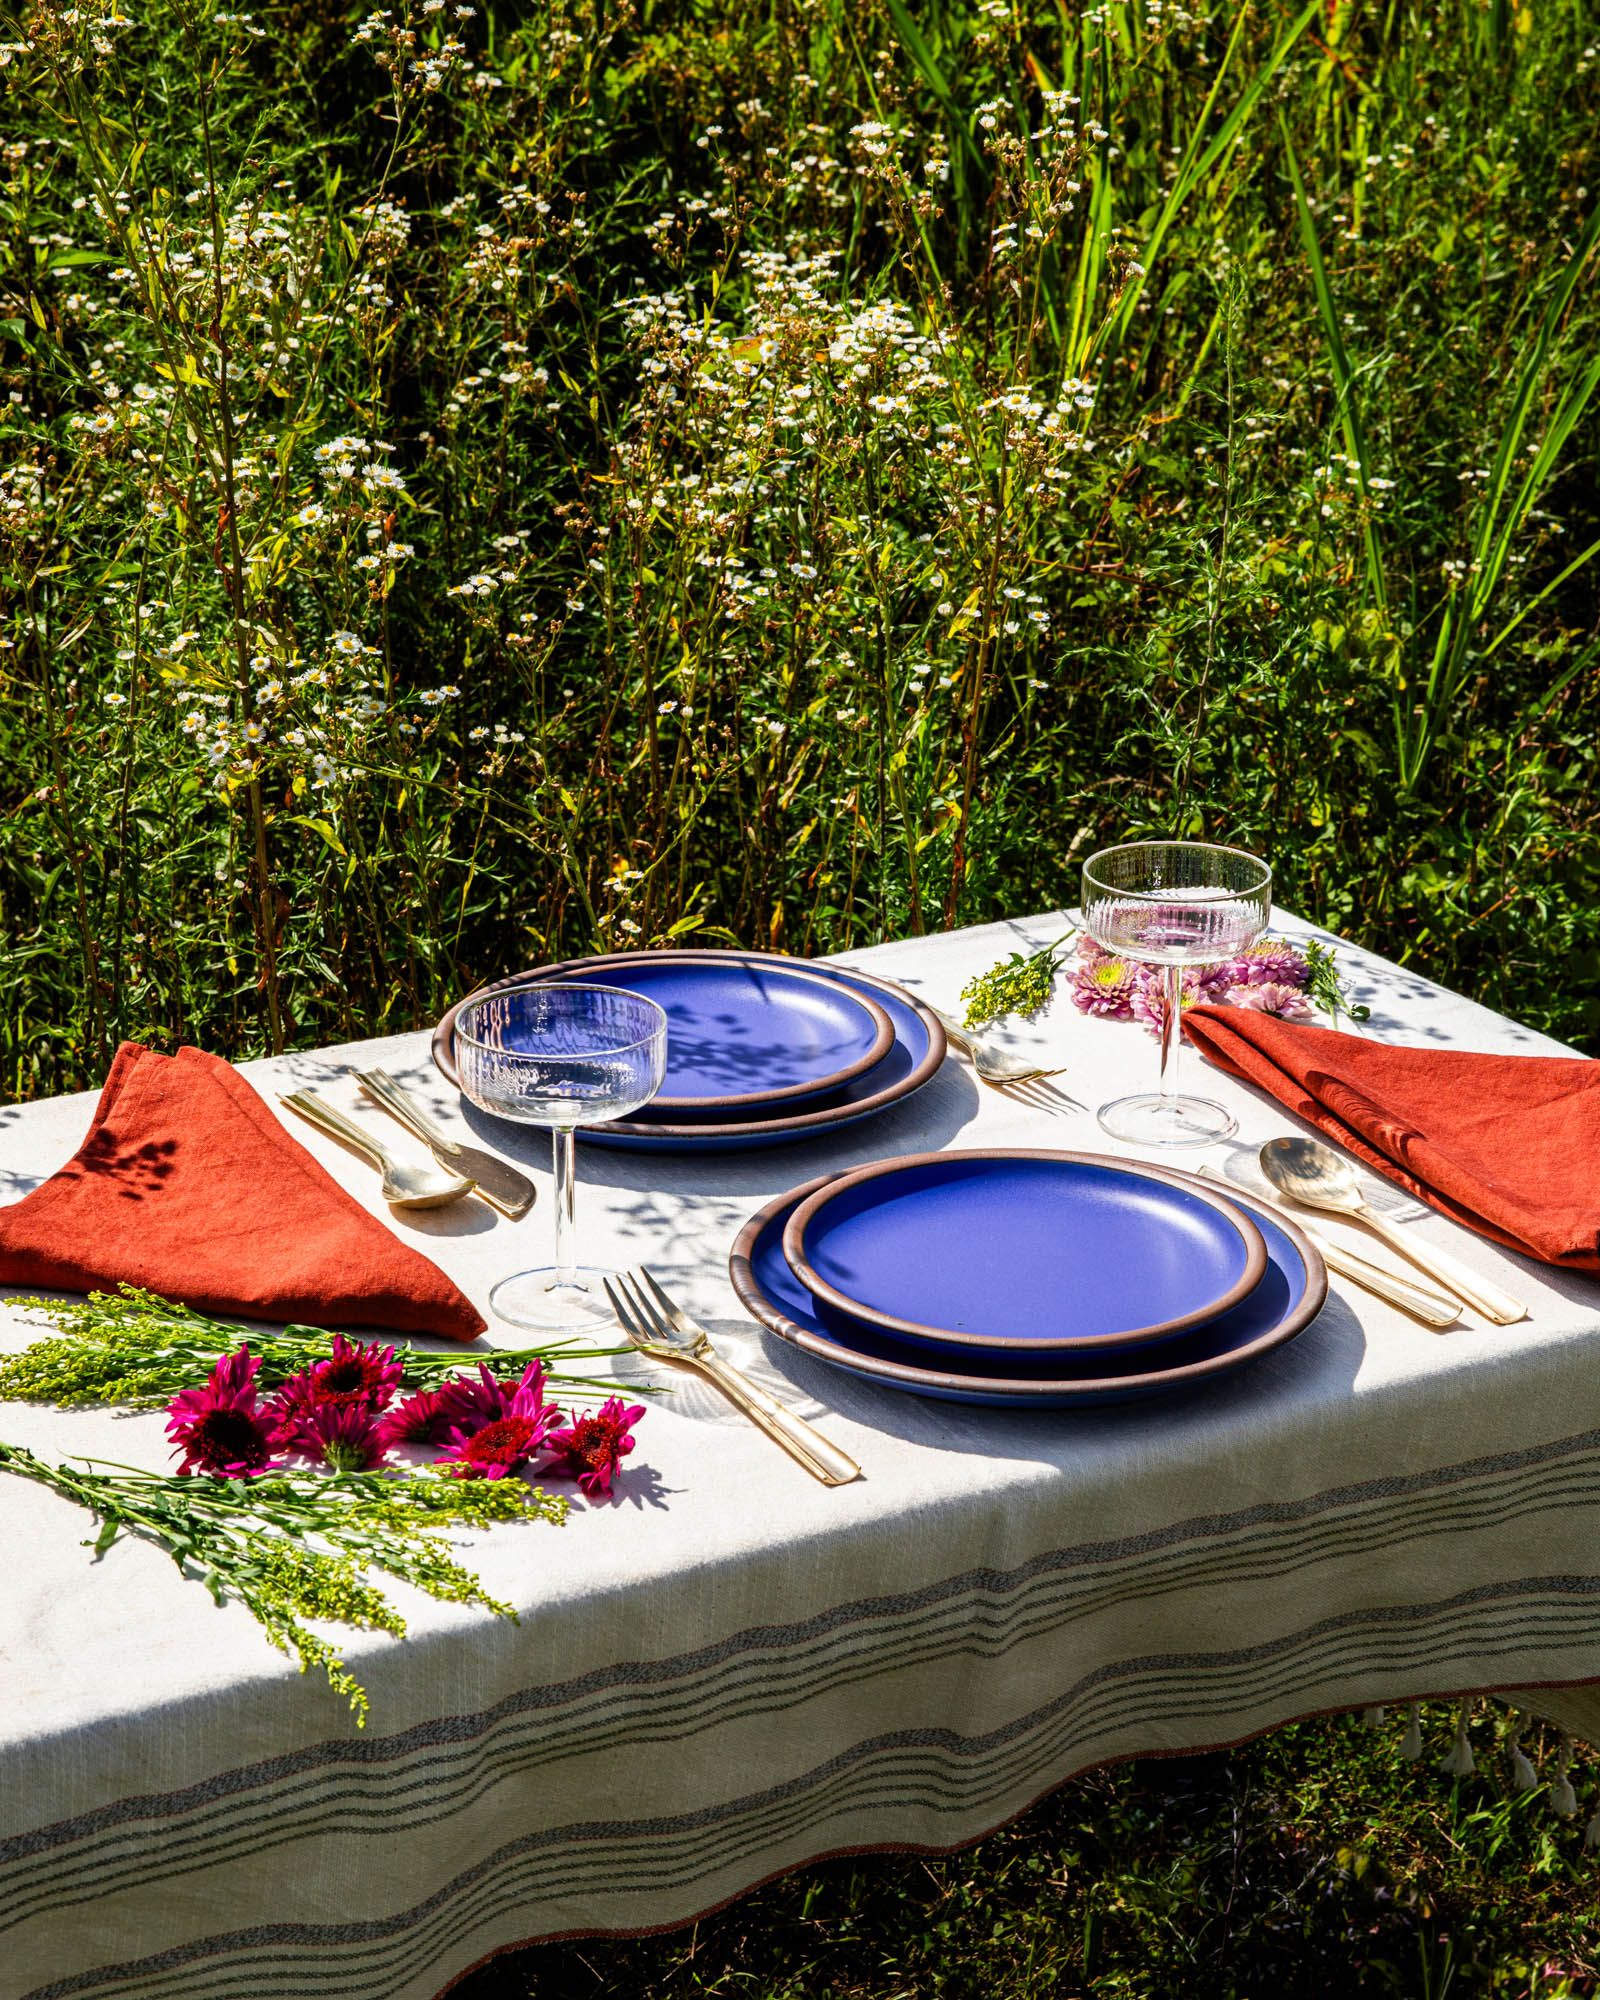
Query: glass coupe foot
[
  {"x": 543, "y": 1302},
  {"x": 1153, "y": 1120}
]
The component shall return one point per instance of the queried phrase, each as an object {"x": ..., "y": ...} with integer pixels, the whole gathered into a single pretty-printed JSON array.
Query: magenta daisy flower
[
  {"x": 593, "y": 1447},
  {"x": 218, "y": 1429},
  {"x": 496, "y": 1450},
  {"x": 472, "y": 1404},
  {"x": 424, "y": 1418},
  {"x": 357, "y": 1375},
  {"x": 343, "y": 1436}
]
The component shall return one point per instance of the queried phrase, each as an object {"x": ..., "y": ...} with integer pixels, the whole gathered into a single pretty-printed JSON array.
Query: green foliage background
[{"x": 1306, "y": 301}]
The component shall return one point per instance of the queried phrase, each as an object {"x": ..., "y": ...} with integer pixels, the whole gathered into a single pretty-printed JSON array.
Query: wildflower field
[{"x": 482, "y": 483}]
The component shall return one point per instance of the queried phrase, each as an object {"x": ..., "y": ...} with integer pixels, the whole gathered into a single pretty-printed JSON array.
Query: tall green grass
[{"x": 1254, "y": 350}]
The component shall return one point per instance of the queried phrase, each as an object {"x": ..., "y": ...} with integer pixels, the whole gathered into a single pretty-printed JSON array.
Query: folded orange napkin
[
  {"x": 188, "y": 1186},
  {"x": 1507, "y": 1145}
]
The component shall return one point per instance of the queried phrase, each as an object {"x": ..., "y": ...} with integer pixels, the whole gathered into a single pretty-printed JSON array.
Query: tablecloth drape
[{"x": 733, "y": 1670}]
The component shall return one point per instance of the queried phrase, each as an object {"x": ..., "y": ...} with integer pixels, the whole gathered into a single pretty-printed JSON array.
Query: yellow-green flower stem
[
  {"x": 133, "y": 1348},
  {"x": 296, "y": 1545},
  {"x": 1019, "y": 984}
]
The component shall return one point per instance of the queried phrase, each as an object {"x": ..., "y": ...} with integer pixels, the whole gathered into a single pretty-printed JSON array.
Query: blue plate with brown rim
[
  {"x": 913, "y": 1059},
  {"x": 1285, "y": 1302},
  {"x": 744, "y": 1034},
  {"x": 1028, "y": 1250}
]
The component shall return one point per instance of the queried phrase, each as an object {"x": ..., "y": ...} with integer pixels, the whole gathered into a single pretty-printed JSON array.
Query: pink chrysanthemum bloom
[
  {"x": 343, "y": 1436},
  {"x": 592, "y": 1448},
  {"x": 1288, "y": 1002},
  {"x": 471, "y": 1404},
  {"x": 358, "y": 1375},
  {"x": 1267, "y": 962},
  {"x": 497, "y": 1449},
  {"x": 1104, "y": 986},
  {"x": 424, "y": 1418},
  {"x": 218, "y": 1429},
  {"x": 1148, "y": 1002}
]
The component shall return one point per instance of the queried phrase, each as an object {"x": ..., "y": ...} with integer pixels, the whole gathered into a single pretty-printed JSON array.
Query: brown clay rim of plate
[
  {"x": 796, "y": 1121},
  {"x": 1139, "y": 1336},
  {"x": 756, "y": 1303}
]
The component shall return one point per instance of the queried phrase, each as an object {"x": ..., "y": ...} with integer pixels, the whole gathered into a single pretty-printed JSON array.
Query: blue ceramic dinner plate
[
  {"x": 1022, "y": 1250},
  {"x": 914, "y": 1057},
  {"x": 742, "y": 1034},
  {"x": 1283, "y": 1304}
]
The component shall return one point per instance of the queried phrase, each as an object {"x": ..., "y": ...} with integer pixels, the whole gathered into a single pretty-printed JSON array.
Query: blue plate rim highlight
[
  {"x": 829, "y": 1294},
  {"x": 999, "y": 1392},
  {"x": 718, "y": 1137}
]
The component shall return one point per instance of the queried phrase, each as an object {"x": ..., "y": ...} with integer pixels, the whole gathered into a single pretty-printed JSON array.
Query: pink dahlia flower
[
  {"x": 1286, "y": 1001},
  {"x": 592, "y": 1448},
  {"x": 1149, "y": 1001},
  {"x": 1267, "y": 962},
  {"x": 218, "y": 1429},
  {"x": 1105, "y": 986}
]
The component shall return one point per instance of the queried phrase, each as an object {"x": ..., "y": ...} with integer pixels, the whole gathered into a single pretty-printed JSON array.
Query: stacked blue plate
[
  {"x": 1045, "y": 1280},
  {"x": 762, "y": 1049}
]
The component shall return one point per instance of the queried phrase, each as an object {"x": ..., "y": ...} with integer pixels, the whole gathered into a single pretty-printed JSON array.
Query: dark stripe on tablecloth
[
  {"x": 973, "y": 1627},
  {"x": 935, "y": 1770}
]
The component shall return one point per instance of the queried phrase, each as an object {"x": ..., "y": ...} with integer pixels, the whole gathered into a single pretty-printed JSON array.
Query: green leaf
[{"x": 319, "y": 826}]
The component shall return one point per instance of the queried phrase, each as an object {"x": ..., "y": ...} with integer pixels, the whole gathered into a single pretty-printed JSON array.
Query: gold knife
[
  {"x": 1432, "y": 1308},
  {"x": 502, "y": 1185}
]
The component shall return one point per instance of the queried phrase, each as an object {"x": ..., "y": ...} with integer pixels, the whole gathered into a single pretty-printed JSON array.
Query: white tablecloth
[{"x": 734, "y": 1670}]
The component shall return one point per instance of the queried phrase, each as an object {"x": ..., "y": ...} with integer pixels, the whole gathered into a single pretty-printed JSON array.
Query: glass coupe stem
[
  {"x": 566, "y": 1170},
  {"x": 1171, "y": 1035}
]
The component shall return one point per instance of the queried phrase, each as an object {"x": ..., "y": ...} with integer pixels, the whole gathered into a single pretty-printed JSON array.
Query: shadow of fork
[{"x": 1039, "y": 1093}]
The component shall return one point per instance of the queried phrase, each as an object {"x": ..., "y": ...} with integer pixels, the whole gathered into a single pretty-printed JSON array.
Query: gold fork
[
  {"x": 665, "y": 1331},
  {"x": 1004, "y": 1072}
]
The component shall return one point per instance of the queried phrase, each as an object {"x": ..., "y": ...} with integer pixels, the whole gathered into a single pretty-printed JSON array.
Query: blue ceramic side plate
[
  {"x": 742, "y": 1034},
  {"x": 1283, "y": 1304},
  {"x": 917, "y": 1052},
  {"x": 1022, "y": 1250}
]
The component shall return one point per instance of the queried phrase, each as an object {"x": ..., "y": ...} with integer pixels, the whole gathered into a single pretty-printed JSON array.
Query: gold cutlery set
[
  {"x": 458, "y": 1169},
  {"x": 1305, "y": 1173}
]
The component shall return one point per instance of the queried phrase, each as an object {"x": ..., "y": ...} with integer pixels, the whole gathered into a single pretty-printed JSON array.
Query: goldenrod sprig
[
  {"x": 133, "y": 1348},
  {"x": 297, "y": 1545},
  {"x": 1019, "y": 984}
]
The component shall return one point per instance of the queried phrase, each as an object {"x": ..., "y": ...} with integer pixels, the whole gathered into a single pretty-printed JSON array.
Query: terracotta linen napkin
[
  {"x": 188, "y": 1186},
  {"x": 1507, "y": 1145}
]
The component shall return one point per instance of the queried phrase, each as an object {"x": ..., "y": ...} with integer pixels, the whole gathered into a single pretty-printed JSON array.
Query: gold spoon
[
  {"x": 403, "y": 1186},
  {"x": 1309, "y": 1172}
]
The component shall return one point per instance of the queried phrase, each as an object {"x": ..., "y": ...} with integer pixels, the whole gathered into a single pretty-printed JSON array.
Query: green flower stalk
[
  {"x": 1325, "y": 986},
  {"x": 291, "y": 1546},
  {"x": 133, "y": 1348},
  {"x": 1019, "y": 984}
]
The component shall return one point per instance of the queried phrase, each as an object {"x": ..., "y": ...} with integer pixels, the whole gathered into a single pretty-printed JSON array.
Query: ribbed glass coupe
[
  {"x": 564, "y": 1055},
  {"x": 1173, "y": 904}
]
